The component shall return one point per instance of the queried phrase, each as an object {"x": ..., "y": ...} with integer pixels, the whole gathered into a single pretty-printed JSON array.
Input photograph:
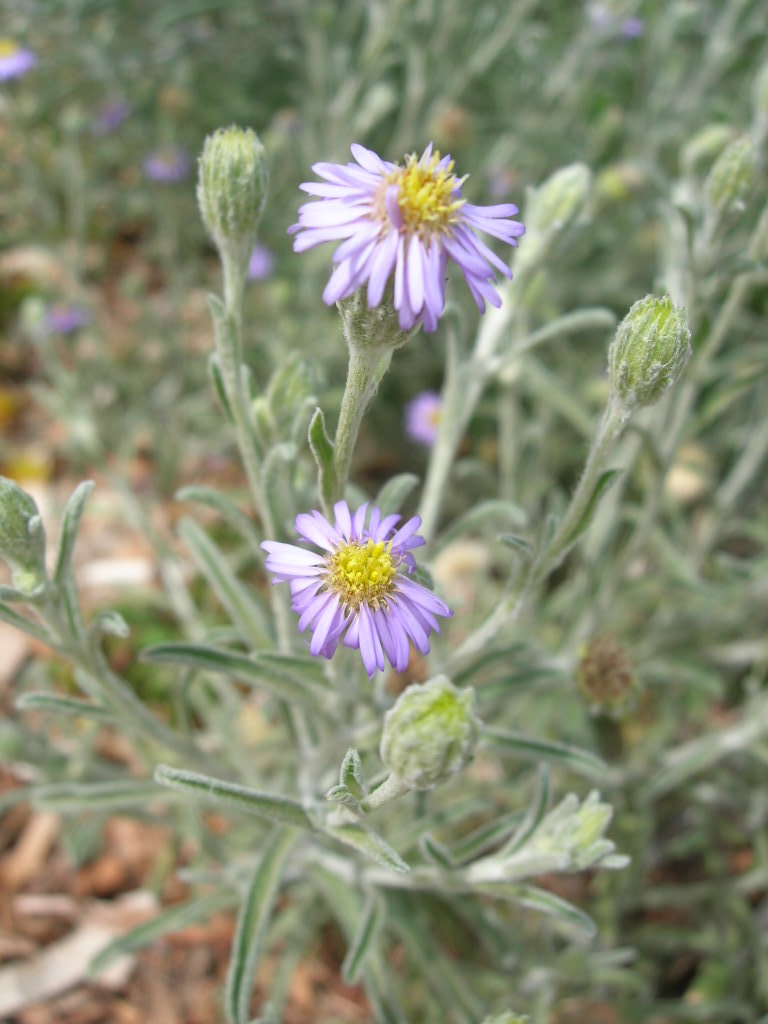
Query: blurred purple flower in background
[
  {"x": 422, "y": 417},
  {"x": 167, "y": 164},
  {"x": 15, "y": 61},
  {"x": 613, "y": 22},
  {"x": 261, "y": 264},
  {"x": 109, "y": 116},
  {"x": 64, "y": 319}
]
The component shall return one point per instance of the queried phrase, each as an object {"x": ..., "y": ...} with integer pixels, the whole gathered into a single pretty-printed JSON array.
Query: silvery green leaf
[
  {"x": 518, "y": 544},
  {"x": 94, "y": 796},
  {"x": 285, "y": 683},
  {"x": 12, "y": 618},
  {"x": 179, "y": 916},
  {"x": 459, "y": 1003},
  {"x": 487, "y": 837},
  {"x": 279, "y": 455},
  {"x": 394, "y": 492},
  {"x": 217, "y": 382},
  {"x": 69, "y": 526},
  {"x": 605, "y": 480},
  {"x": 528, "y": 747},
  {"x": 351, "y": 774},
  {"x": 321, "y": 448},
  {"x": 252, "y": 921},
  {"x": 241, "y": 606},
  {"x": 341, "y": 795},
  {"x": 232, "y": 795},
  {"x": 435, "y": 852},
  {"x": 344, "y": 903},
  {"x": 533, "y": 817},
  {"x": 494, "y": 510},
  {"x": 363, "y": 940},
  {"x": 546, "y": 902},
  {"x": 108, "y": 622},
  {"x": 226, "y": 508},
  {"x": 15, "y": 596},
  {"x": 371, "y": 844},
  {"x": 62, "y": 705},
  {"x": 580, "y": 320}
]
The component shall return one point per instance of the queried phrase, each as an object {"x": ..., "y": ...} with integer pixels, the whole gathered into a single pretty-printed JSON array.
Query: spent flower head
[
  {"x": 407, "y": 222},
  {"x": 15, "y": 60},
  {"x": 358, "y": 589},
  {"x": 422, "y": 417}
]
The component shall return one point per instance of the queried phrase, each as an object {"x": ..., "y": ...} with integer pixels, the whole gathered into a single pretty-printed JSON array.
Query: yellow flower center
[
  {"x": 362, "y": 572},
  {"x": 424, "y": 195},
  {"x": 8, "y": 48}
]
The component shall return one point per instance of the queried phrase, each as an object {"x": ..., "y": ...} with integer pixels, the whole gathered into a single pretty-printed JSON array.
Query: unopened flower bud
[
  {"x": 732, "y": 177},
  {"x": 703, "y": 147},
  {"x": 232, "y": 187},
  {"x": 22, "y": 537},
  {"x": 649, "y": 350},
  {"x": 606, "y": 675},
  {"x": 508, "y": 1017},
  {"x": 430, "y": 733},
  {"x": 551, "y": 207}
]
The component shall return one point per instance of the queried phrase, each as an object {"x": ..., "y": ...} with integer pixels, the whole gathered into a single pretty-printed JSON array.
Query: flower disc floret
[
  {"x": 357, "y": 589},
  {"x": 405, "y": 223},
  {"x": 362, "y": 572}
]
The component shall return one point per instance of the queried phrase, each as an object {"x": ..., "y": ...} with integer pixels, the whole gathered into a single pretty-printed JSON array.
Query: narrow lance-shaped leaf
[
  {"x": 20, "y": 622},
  {"x": 533, "y": 816},
  {"x": 62, "y": 705},
  {"x": 284, "y": 683},
  {"x": 493, "y": 510},
  {"x": 394, "y": 492},
  {"x": 545, "y": 902},
  {"x": 172, "y": 920},
  {"x": 605, "y": 480},
  {"x": 94, "y": 796},
  {"x": 371, "y": 844},
  {"x": 363, "y": 940},
  {"x": 217, "y": 383},
  {"x": 321, "y": 448},
  {"x": 252, "y": 921},
  {"x": 241, "y": 606},
  {"x": 581, "y": 761},
  {"x": 226, "y": 508},
  {"x": 69, "y": 526},
  {"x": 273, "y": 807}
]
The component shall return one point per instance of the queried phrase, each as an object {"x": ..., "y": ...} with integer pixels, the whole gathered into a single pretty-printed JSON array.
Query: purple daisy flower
[
  {"x": 422, "y": 417},
  {"x": 358, "y": 586},
  {"x": 168, "y": 164},
  {"x": 404, "y": 221},
  {"x": 261, "y": 263},
  {"x": 15, "y": 61}
]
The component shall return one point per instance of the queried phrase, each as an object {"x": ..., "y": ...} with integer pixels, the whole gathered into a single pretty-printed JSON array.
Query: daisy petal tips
[
  {"x": 357, "y": 589},
  {"x": 403, "y": 222}
]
